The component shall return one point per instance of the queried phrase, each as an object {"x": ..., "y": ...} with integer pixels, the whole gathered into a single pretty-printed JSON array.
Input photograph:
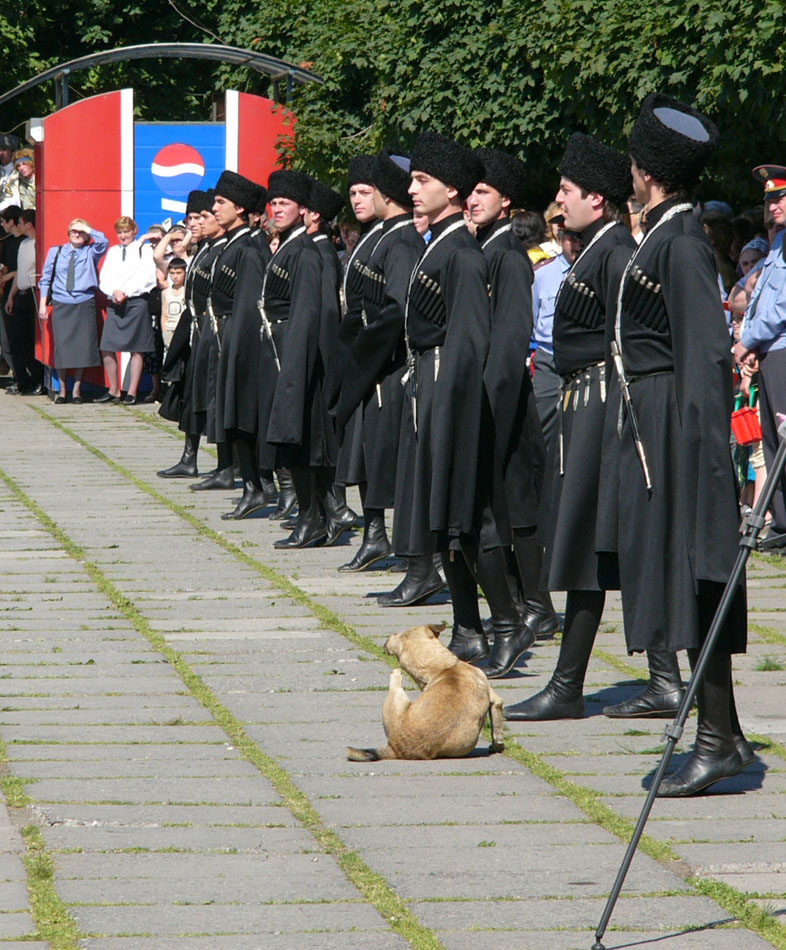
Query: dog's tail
[{"x": 369, "y": 755}]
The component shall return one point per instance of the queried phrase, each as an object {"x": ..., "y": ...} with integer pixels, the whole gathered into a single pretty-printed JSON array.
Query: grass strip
[
  {"x": 371, "y": 885},
  {"x": 53, "y": 921},
  {"x": 746, "y": 910},
  {"x": 326, "y": 617}
]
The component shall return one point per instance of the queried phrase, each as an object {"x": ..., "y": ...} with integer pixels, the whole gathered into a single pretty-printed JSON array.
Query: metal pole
[{"x": 753, "y": 524}]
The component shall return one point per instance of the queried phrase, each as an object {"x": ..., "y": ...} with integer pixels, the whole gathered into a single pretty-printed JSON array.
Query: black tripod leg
[{"x": 673, "y": 733}]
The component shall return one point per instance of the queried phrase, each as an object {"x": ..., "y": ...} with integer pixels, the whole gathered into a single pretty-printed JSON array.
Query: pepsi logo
[{"x": 178, "y": 169}]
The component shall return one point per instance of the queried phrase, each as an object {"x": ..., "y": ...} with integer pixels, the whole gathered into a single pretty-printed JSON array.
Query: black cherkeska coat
[
  {"x": 350, "y": 467},
  {"x": 586, "y": 300},
  {"x": 377, "y": 359},
  {"x": 513, "y": 458},
  {"x": 677, "y": 543},
  {"x": 289, "y": 385},
  {"x": 447, "y": 326},
  {"x": 330, "y": 319},
  {"x": 178, "y": 365},
  {"x": 202, "y": 348},
  {"x": 241, "y": 343}
]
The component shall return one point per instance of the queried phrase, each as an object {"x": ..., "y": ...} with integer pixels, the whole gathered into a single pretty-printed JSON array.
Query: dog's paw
[
  {"x": 396, "y": 679},
  {"x": 496, "y": 747}
]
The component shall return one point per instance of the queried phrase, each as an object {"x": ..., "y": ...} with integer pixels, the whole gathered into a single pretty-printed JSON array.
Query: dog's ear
[{"x": 437, "y": 628}]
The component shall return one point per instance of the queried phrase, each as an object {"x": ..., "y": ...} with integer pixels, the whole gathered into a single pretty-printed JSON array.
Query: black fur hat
[
  {"x": 237, "y": 189},
  {"x": 197, "y": 201},
  {"x": 451, "y": 163},
  {"x": 210, "y": 197},
  {"x": 672, "y": 141},
  {"x": 598, "y": 168},
  {"x": 361, "y": 169},
  {"x": 261, "y": 203},
  {"x": 288, "y": 184},
  {"x": 326, "y": 202},
  {"x": 391, "y": 177},
  {"x": 502, "y": 171}
]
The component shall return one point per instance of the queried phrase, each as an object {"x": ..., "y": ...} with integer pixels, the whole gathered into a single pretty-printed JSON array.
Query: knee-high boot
[
  {"x": 333, "y": 503},
  {"x": 661, "y": 697},
  {"x": 187, "y": 466},
  {"x": 468, "y": 641},
  {"x": 224, "y": 475},
  {"x": 421, "y": 581},
  {"x": 714, "y": 754},
  {"x": 375, "y": 545},
  {"x": 511, "y": 637},
  {"x": 562, "y": 698},
  {"x": 540, "y": 616},
  {"x": 309, "y": 529},
  {"x": 287, "y": 496},
  {"x": 254, "y": 497}
]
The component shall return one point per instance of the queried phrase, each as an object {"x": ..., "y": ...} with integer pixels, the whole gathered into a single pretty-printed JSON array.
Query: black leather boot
[
  {"x": 268, "y": 486},
  {"x": 420, "y": 582},
  {"x": 223, "y": 478},
  {"x": 661, "y": 698},
  {"x": 187, "y": 466},
  {"x": 254, "y": 499},
  {"x": 562, "y": 697},
  {"x": 310, "y": 529},
  {"x": 714, "y": 754},
  {"x": 511, "y": 638},
  {"x": 375, "y": 545},
  {"x": 539, "y": 614},
  {"x": 332, "y": 500},
  {"x": 468, "y": 642},
  {"x": 287, "y": 497},
  {"x": 744, "y": 748}
]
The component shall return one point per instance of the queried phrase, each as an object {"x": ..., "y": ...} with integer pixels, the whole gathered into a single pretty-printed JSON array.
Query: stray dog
[{"x": 445, "y": 721}]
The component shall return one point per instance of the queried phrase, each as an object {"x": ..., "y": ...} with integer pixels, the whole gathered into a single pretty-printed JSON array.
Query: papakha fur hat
[
  {"x": 451, "y": 163},
  {"x": 197, "y": 201},
  {"x": 391, "y": 176},
  {"x": 289, "y": 184},
  {"x": 237, "y": 189},
  {"x": 502, "y": 171},
  {"x": 597, "y": 168},
  {"x": 326, "y": 202},
  {"x": 672, "y": 141},
  {"x": 361, "y": 169}
]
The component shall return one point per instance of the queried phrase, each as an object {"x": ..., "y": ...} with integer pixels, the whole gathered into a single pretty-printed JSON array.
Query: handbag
[{"x": 745, "y": 420}]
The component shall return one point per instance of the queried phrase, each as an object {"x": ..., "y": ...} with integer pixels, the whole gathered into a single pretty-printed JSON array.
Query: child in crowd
[{"x": 173, "y": 299}]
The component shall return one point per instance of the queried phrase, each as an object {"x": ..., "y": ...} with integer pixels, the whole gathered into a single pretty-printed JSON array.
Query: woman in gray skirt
[
  {"x": 127, "y": 277},
  {"x": 69, "y": 282}
]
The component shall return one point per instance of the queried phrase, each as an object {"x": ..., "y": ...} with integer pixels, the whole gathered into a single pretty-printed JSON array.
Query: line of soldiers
[{"x": 418, "y": 393}]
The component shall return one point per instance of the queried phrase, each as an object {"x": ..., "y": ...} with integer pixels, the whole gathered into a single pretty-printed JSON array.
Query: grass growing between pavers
[
  {"x": 371, "y": 885},
  {"x": 744, "y": 908},
  {"x": 588, "y": 801},
  {"x": 53, "y": 921}
]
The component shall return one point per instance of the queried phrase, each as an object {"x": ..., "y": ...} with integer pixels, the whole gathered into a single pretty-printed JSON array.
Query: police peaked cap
[
  {"x": 391, "y": 177},
  {"x": 237, "y": 189},
  {"x": 326, "y": 202},
  {"x": 502, "y": 171},
  {"x": 288, "y": 184},
  {"x": 596, "y": 167},
  {"x": 361, "y": 170},
  {"x": 451, "y": 163},
  {"x": 773, "y": 178},
  {"x": 672, "y": 141},
  {"x": 198, "y": 201}
]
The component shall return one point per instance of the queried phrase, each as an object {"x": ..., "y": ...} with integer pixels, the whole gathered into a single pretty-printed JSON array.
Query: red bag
[{"x": 745, "y": 422}]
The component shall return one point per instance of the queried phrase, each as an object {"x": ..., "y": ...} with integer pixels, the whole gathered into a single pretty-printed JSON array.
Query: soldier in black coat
[
  {"x": 178, "y": 368},
  {"x": 511, "y": 458},
  {"x": 350, "y": 468},
  {"x": 324, "y": 204},
  {"x": 670, "y": 511},
  {"x": 447, "y": 327},
  {"x": 371, "y": 383},
  {"x": 595, "y": 184},
  {"x": 233, "y": 194}
]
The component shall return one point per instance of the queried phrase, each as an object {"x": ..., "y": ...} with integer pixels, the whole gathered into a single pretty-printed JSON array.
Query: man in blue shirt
[
  {"x": 545, "y": 382},
  {"x": 764, "y": 331}
]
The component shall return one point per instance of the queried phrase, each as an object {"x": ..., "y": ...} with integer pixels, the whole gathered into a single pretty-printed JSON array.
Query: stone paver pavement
[{"x": 137, "y": 643}]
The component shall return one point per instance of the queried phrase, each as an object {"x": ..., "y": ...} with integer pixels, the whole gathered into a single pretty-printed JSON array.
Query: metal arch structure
[{"x": 276, "y": 69}]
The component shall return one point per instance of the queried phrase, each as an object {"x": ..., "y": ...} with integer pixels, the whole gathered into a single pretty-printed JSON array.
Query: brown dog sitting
[{"x": 445, "y": 721}]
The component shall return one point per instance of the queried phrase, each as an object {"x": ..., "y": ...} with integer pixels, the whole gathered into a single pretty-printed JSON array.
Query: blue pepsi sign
[{"x": 170, "y": 161}]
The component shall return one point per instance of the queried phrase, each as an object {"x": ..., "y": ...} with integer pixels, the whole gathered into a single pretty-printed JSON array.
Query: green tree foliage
[{"x": 518, "y": 74}]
